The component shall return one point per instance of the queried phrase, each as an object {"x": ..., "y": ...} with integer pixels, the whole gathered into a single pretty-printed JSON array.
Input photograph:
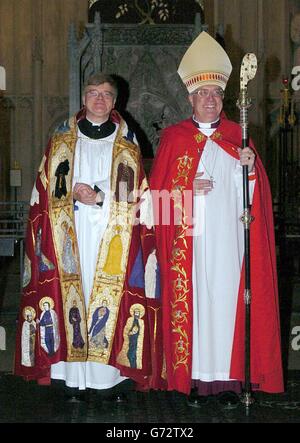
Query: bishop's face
[
  {"x": 99, "y": 101},
  {"x": 207, "y": 103}
]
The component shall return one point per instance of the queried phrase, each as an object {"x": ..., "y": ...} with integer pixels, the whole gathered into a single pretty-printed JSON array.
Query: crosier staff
[{"x": 248, "y": 71}]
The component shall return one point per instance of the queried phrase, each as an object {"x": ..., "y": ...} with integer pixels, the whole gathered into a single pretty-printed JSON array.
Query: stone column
[{"x": 37, "y": 85}]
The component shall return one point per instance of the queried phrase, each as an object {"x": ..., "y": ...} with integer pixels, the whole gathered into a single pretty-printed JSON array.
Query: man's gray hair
[{"x": 99, "y": 78}]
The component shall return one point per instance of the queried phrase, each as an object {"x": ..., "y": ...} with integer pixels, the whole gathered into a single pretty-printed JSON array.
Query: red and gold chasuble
[
  {"x": 174, "y": 170},
  {"x": 54, "y": 324}
]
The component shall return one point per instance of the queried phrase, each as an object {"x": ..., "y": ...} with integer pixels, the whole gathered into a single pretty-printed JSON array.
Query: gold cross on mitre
[{"x": 2, "y": 79}]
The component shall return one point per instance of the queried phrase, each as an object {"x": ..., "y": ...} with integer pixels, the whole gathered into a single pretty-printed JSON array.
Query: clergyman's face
[
  {"x": 99, "y": 101},
  {"x": 207, "y": 108}
]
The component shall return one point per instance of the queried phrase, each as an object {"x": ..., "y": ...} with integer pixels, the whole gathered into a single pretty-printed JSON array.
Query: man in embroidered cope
[
  {"x": 91, "y": 217},
  {"x": 201, "y": 252}
]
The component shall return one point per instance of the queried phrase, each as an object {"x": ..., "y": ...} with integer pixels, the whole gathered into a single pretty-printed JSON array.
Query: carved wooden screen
[{"x": 145, "y": 59}]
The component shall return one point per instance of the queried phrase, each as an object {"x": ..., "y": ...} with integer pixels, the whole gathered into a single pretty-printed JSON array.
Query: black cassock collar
[
  {"x": 96, "y": 131},
  {"x": 200, "y": 125}
]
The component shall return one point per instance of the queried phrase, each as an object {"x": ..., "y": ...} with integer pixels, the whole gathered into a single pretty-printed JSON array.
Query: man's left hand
[{"x": 247, "y": 157}]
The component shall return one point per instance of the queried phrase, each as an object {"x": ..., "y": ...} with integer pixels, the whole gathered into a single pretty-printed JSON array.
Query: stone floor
[{"x": 22, "y": 402}]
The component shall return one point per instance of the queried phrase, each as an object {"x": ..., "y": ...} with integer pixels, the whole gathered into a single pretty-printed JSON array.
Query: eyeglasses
[
  {"x": 207, "y": 93},
  {"x": 93, "y": 93}
]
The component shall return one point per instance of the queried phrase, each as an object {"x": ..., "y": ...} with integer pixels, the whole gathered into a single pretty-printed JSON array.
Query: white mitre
[{"x": 204, "y": 63}]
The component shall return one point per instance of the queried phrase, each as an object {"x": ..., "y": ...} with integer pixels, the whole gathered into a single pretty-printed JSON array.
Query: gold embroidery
[
  {"x": 74, "y": 327},
  {"x": 72, "y": 291},
  {"x": 150, "y": 234},
  {"x": 32, "y": 228},
  {"x": 68, "y": 253},
  {"x": 28, "y": 340},
  {"x": 135, "y": 294},
  {"x": 66, "y": 245},
  {"x": 111, "y": 274},
  {"x": 180, "y": 283},
  {"x": 44, "y": 179},
  {"x": 115, "y": 251},
  {"x": 42, "y": 172},
  {"x": 32, "y": 235},
  {"x": 155, "y": 321},
  {"x": 48, "y": 280},
  {"x": 183, "y": 168},
  {"x": 131, "y": 354},
  {"x": 48, "y": 326},
  {"x": 32, "y": 221},
  {"x": 216, "y": 136},
  {"x": 61, "y": 215},
  {"x": 30, "y": 292},
  {"x": 199, "y": 137},
  {"x": 28, "y": 310},
  {"x": 164, "y": 368},
  {"x": 98, "y": 329},
  {"x": 179, "y": 316},
  {"x": 41, "y": 167},
  {"x": 62, "y": 149},
  {"x": 46, "y": 300}
]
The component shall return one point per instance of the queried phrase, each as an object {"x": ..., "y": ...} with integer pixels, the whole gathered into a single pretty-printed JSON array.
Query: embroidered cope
[{"x": 78, "y": 278}]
